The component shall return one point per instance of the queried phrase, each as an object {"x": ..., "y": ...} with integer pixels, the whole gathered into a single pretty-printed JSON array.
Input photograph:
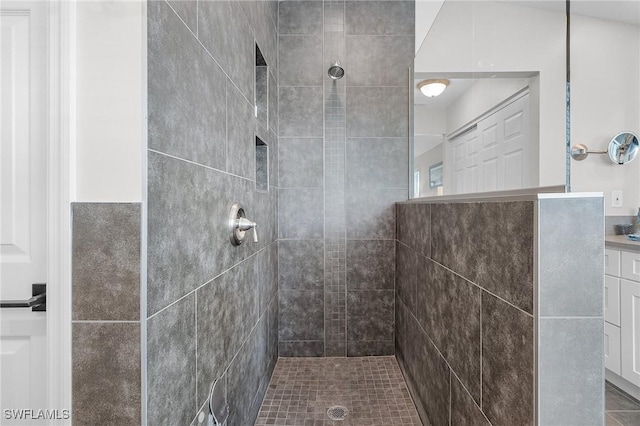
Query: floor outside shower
[{"x": 371, "y": 388}]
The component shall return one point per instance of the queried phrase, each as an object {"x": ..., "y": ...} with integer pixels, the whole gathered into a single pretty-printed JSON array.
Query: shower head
[{"x": 336, "y": 72}]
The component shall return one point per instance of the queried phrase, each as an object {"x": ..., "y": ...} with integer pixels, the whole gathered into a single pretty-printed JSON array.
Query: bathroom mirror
[
  {"x": 503, "y": 108},
  {"x": 605, "y": 101},
  {"x": 623, "y": 148}
]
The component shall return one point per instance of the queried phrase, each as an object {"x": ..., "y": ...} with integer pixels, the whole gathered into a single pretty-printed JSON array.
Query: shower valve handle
[
  {"x": 238, "y": 225},
  {"x": 244, "y": 224}
]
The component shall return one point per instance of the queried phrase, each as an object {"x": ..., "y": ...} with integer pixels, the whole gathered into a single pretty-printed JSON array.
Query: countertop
[{"x": 621, "y": 242}]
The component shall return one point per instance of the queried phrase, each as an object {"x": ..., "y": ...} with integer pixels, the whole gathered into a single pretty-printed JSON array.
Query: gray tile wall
[
  {"x": 471, "y": 338},
  {"x": 464, "y": 300},
  {"x": 106, "y": 382},
  {"x": 343, "y": 164},
  {"x": 212, "y": 308},
  {"x": 571, "y": 313}
]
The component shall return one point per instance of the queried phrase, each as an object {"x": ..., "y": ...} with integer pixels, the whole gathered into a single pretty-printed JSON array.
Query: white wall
[
  {"x": 422, "y": 164},
  {"x": 493, "y": 37},
  {"x": 426, "y": 13},
  {"x": 110, "y": 41},
  {"x": 605, "y": 100}
]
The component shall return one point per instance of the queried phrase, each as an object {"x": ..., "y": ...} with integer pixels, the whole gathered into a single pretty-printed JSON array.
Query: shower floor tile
[{"x": 301, "y": 391}]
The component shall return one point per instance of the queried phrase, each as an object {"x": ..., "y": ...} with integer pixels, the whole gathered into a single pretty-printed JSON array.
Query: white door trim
[{"x": 59, "y": 171}]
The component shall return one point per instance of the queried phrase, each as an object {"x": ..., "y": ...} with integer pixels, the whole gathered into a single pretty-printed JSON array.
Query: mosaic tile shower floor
[{"x": 371, "y": 388}]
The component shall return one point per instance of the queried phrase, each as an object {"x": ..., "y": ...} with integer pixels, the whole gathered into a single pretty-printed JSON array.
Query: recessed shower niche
[
  {"x": 261, "y": 111},
  {"x": 262, "y": 165}
]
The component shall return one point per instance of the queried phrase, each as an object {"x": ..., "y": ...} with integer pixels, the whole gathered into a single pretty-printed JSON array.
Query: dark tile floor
[
  {"x": 621, "y": 409},
  {"x": 371, "y": 388}
]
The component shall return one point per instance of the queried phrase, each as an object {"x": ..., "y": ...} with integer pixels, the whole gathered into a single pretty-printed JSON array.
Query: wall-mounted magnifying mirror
[{"x": 623, "y": 148}]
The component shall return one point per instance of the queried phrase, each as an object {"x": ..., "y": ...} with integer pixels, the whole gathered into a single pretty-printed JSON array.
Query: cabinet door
[
  {"x": 612, "y": 347},
  {"x": 612, "y": 300},
  {"x": 630, "y": 265},
  {"x": 630, "y": 330},
  {"x": 612, "y": 262}
]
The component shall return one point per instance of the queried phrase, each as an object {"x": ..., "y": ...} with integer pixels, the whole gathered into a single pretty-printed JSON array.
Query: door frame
[{"x": 60, "y": 131}]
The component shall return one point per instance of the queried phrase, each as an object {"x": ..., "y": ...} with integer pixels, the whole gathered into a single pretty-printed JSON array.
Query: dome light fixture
[{"x": 433, "y": 87}]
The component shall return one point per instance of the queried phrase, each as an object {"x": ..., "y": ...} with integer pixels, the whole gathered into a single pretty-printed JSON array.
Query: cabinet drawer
[
  {"x": 612, "y": 262},
  {"x": 630, "y": 265},
  {"x": 612, "y": 347},
  {"x": 612, "y": 300}
]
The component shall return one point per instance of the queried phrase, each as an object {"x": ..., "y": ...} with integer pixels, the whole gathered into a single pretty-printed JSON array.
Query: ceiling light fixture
[{"x": 433, "y": 87}]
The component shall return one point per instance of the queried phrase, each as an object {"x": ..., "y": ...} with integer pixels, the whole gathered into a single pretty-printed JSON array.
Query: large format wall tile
[
  {"x": 272, "y": 108},
  {"x": 171, "y": 364},
  {"x": 507, "y": 363},
  {"x": 410, "y": 269},
  {"x": 371, "y": 215},
  {"x": 376, "y": 163},
  {"x": 224, "y": 31},
  {"x": 106, "y": 261},
  {"x": 186, "y": 89},
  {"x": 242, "y": 387},
  {"x": 300, "y": 60},
  {"x": 376, "y": 111},
  {"x": 414, "y": 226},
  {"x": 370, "y": 315},
  {"x": 267, "y": 276},
  {"x": 211, "y": 355},
  {"x": 370, "y": 264},
  {"x": 300, "y": 213},
  {"x": 431, "y": 374},
  {"x": 308, "y": 348},
  {"x": 448, "y": 308},
  {"x": 566, "y": 346},
  {"x": 300, "y": 112},
  {"x": 380, "y": 17},
  {"x": 464, "y": 411},
  {"x": 241, "y": 141},
  {"x": 301, "y": 315},
  {"x": 301, "y": 162},
  {"x": 301, "y": 264},
  {"x": 300, "y": 17},
  {"x": 370, "y": 347},
  {"x": 379, "y": 61},
  {"x": 491, "y": 244},
  {"x": 566, "y": 287},
  {"x": 188, "y": 12},
  {"x": 106, "y": 373}
]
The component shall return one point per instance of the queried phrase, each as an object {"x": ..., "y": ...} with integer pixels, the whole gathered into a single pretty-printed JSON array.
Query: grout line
[
  {"x": 196, "y": 337},
  {"x": 210, "y": 280},
  {"x": 106, "y": 322},
  {"x": 164, "y": 154}
]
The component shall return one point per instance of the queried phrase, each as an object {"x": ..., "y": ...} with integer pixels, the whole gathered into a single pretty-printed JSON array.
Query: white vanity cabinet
[{"x": 622, "y": 317}]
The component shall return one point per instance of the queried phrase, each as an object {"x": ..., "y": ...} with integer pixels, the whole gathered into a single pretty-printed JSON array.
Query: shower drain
[{"x": 337, "y": 412}]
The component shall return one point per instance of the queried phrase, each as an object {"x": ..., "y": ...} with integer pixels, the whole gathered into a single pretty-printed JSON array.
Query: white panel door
[
  {"x": 23, "y": 101},
  {"x": 504, "y": 148},
  {"x": 494, "y": 156},
  {"x": 464, "y": 155},
  {"x": 630, "y": 331},
  {"x": 612, "y": 300},
  {"x": 612, "y": 347}
]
